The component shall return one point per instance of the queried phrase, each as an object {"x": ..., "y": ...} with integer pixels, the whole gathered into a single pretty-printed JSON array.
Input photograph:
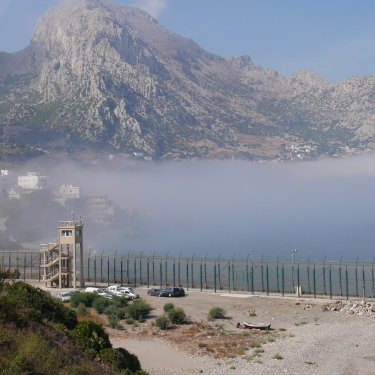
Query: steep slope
[{"x": 99, "y": 76}]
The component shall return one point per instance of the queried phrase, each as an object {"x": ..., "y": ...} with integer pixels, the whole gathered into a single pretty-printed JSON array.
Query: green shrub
[
  {"x": 138, "y": 310},
  {"x": 120, "y": 359},
  {"x": 217, "y": 313},
  {"x": 130, "y": 321},
  {"x": 90, "y": 335},
  {"x": 177, "y": 316},
  {"x": 114, "y": 322},
  {"x": 100, "y": 304},
  {"x": 168, "y": 306},
  {"x": 86, "y": 298},
  {"x": 82, "y": 310},
  {"x": 162, "y": 322},
  {"x": 119, "y": 301},
  {"x": 37, "y": 305}
]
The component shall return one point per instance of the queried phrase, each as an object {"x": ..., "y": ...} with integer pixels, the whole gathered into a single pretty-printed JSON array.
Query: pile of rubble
[{"x": 362, "y": 308}]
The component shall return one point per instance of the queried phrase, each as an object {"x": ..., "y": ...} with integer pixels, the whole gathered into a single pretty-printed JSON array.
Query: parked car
[
  {"x": 104, "y": 294},
  {"x": 65, "y": 296},
  {"x": 153, "y": 292},
  {"x": 172, "y": 292},
  {"x": 119, "y": 290}
]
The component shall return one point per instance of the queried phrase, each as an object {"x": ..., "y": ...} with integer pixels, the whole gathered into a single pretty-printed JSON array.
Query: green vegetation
[
  {"x": 39, "y": 335},
  {"x": 277, "y": 356},
  {"x": 177, "y": 316},
  {"x": 168, "y": 307},
  {"x": 162, "y": 322},
  {"x": 217, "y": 313},
  {"x": 138, "y": 310}
]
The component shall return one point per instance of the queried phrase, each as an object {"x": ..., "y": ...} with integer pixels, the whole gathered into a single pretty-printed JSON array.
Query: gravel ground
[{"x": 314, "y": 341}]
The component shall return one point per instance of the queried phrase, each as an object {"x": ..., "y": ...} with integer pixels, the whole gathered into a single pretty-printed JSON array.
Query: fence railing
[{"x": 314, "y": 278}]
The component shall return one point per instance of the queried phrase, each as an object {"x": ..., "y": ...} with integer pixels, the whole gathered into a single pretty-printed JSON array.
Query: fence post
[
  {"x": 314, "y": 281},
  {"x": 101, "y": 268},
  {"x": 95, "y": 270},
  {"x": 40, "y": 262},
  {"x": 347, "y": 282},
  {"x": 324, "y": 276},
  {"x": 166, "y": 269},
  {"x": 187, "y": 275},
  {"x": 201, "y": 276},
  {"x": 247, "y": 278},
  {"x": 215, "y": 277},
  {"x": 308, "y": 276},
  {"x": 262, "y": 275},
  {"x": 192, "y": 271},
  {"x": 205, "y": 274},
  {"x": 340, "y": 277},
  {"x": 161, "y": 273},
  {"x": 219, "y": 274},
  {"x": 174, "y": 273},
  {"x": 114, "y": 268},
  {"x": 108, "y": 270},
  {"x": 267, "y": 280},
  {"x": 135, "y": 272},
  {"x": 277, "y": 276},
  {"x": 140, "y": 269},
  {"x": 356, "y": 278},
  {"x": 179, "y": 270},
  {"x": 282, "y": 280},
  {"x": 229, "y": 277},
  {"x": 298, "y": 282},
  {"x": 372, "y": 278},
  {"x": 24, "y": 266},
  {"x": 121, "y": 274},
  {"x": 148, "y": 272},
  {"x": 330, "y": 281},
  {"x": 153, "y": 270},
  {"x": 363, "y": 283},
  {"x": 252, "y": 277}
]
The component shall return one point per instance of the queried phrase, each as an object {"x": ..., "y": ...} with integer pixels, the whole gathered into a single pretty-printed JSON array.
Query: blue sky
[{"x": 332, "y": 37}]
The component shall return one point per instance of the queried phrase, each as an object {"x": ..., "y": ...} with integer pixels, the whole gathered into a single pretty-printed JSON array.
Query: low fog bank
[{"x": 321, "y": 208}]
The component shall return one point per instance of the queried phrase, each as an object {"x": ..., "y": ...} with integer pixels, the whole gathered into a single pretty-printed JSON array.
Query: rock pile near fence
[{"x": 362, "y": 308}]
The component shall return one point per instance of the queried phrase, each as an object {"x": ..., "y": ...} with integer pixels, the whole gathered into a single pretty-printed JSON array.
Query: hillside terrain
[
  {"x": 98, "y": 78},
  {"x": 39, "y": 335}
]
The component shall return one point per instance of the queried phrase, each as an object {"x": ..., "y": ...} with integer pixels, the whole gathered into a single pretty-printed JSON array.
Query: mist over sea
[{"x": 236, "y": 208}]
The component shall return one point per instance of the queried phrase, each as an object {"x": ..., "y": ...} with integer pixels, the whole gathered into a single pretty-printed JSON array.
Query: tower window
[{"x": 67, "y": 233}]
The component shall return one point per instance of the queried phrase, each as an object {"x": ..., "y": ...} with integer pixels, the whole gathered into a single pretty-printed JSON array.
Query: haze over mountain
[{"x": 98, "y": 77}]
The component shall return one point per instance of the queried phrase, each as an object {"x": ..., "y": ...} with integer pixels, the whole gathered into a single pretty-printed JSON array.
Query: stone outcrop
[{"x": 358, "y": 308}]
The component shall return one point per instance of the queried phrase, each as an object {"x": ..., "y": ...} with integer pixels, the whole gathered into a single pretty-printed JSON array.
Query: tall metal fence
[{"x": 313, "y": 278}]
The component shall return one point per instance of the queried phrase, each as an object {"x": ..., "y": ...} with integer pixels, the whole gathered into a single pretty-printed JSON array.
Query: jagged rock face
[{"x": 104, "y": 76}]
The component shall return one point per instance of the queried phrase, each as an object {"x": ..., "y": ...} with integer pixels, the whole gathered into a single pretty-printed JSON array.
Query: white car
[
  {"x": 65, "y": 297},
  {"x": 124, "y": 291}
]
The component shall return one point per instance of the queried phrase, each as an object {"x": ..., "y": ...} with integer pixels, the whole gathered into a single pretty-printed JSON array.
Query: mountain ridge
[{"x": 108, "y": 78}]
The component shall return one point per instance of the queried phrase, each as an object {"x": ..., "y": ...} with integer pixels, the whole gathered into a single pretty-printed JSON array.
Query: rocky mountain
[{"x": 98, "y": 77}]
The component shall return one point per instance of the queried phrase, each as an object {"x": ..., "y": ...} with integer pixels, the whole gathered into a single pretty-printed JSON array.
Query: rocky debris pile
[{"x": 362, "y": 308}]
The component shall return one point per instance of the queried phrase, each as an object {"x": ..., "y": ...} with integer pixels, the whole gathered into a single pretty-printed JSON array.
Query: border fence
[{"x": 310, "y": 278}]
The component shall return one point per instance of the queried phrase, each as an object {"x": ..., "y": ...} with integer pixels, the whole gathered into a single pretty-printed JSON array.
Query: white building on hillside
[
  {"x": 69, "y": 192},
  {"x": 32, "y": 181}
]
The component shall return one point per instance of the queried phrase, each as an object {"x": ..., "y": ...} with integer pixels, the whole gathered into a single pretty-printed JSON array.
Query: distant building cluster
[{"x": 12, "y": 186}]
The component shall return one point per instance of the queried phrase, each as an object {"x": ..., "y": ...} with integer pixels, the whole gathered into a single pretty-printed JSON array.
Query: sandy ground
[
  {"x": 314, "y": 341},
  {"x": 308, "y": 339}
]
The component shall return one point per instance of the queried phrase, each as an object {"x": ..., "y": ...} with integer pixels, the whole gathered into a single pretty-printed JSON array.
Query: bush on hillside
[
  {"x": 120, "y": 359},
  {"x": 39, "y": 305},
  {"x": 177, "y": 316},
  {"x": 168, "y": 307},
  {"x": 138, "y": 310},
  {"x": 217, "y": 313},
  {"x": 86, "y": 298},
  {"x": 100, "y": 304},
  {"x": 162, "y": 322},
  {"x": 90, "y": 336}
]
